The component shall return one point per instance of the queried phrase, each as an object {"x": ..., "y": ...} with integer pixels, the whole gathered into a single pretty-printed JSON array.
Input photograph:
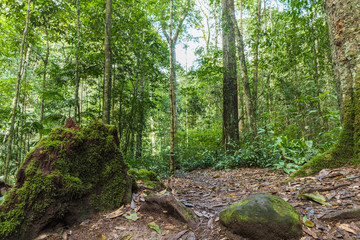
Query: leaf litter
[{"x": 208, "y": 191}]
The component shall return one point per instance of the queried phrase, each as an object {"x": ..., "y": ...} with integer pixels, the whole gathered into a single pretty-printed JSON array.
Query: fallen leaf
[
  {"x": 154, "y": 226},
  {"x": 127, "y": 237},
  {"x": 316, "y": 197},
  {"x": 162, "y": 192},
  {"x": 132, "y": 216},
  {"x": 347, "y": 228},
  {"x": 307, "y": 222},
  {"x": 116, "y": 213},
  {"x": 102, "y": 236}
]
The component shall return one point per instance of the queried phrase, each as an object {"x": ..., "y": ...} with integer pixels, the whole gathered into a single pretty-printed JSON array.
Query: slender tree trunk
[
  {"x": 343, "y": 20},
  {"x": 120, "y": 124},
  {"x": 241, "y": 111},
  {"x": 46, "y": 60},
  {"x": 107, "y": 77},
  {"x": 171, "y": 38},
  {"x": 17, "y": 93},
  {"x": 256, "y": 63},
  {"x": 23, "y": 110},
  {"x": 244, "y": 73},
  {"x": 77, "y": 80},
  {"x": 141, "y": 120},
  {"x": 152, "y": 134},
  {"x": 230, "y": 105}
]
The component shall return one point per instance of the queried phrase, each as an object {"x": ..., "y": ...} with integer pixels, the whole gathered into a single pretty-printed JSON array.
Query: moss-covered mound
[
  {"x": 262, "y": 216},
  {"x": 69, "y": 175},
  {"x": 149, "y": 178}
]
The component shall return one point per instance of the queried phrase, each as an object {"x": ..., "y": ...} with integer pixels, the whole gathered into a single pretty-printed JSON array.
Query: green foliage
[
  {"x": 195, "y": 147},
  {"x": 203, "y": 149}
]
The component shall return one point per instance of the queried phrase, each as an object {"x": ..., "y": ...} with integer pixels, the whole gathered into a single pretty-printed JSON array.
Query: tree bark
[
  {"x": 107, "y": 77},
  {"x": 230, "y": 105},
  {"x": 77, "y": 80},
  {"x": 256, "y": 64},
  {"x": 141, "y": 119},
  {"x": 244, "y": 73},
  {"x": 172, "y": 37},
  {"x": 343, "y": 20},
  {"x": 46, "y": 60},
  {"x": 17, "y": 93}
]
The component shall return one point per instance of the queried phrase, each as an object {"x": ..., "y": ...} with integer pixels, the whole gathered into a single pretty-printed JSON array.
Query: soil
[{"x": 207, "y": 192}]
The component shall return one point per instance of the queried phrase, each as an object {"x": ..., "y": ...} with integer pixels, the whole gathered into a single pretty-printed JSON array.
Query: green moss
[
  {"x": 189, "y": 214},
  {"x": 68, "y": 165},
  {"x": 149, "y": 178},
  {"x": 262, "y": 210},
  {"x": 227, "y": 215}
]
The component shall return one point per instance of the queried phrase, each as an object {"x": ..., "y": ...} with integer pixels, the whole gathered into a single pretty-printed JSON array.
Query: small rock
[{"x": 262, "y": 216}]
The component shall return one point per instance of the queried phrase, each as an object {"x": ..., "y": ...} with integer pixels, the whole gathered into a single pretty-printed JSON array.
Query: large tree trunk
[
  {"x": 107, "y": 77},
  {"x": 17, "y": 92},
  {"x": 344, "y": 21},
  {"x": 230, "y": 105}
]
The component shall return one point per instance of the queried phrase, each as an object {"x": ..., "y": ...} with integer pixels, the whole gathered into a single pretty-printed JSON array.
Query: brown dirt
[{"x": 209, "y": 191}]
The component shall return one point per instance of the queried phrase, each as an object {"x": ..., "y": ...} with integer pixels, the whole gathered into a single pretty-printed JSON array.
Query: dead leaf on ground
[
  {"x": 116, "y": 213},
  {"x": 127, "y": 237}
]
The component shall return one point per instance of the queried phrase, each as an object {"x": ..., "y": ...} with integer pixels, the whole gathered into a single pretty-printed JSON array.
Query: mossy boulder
[
  {"x": 262, "y": 216},
  {"x": 149, "y": 178},
  {"x": 69, "y": 175}
]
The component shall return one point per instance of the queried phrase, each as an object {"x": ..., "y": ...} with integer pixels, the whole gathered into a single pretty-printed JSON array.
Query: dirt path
[{"x": 208, "y": 191}]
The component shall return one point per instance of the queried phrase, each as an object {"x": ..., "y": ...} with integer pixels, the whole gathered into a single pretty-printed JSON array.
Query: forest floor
[{"x": 207, "y": 192}]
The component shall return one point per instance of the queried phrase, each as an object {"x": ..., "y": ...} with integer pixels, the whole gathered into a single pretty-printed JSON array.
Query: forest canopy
[{"x": 261, "y": 92}]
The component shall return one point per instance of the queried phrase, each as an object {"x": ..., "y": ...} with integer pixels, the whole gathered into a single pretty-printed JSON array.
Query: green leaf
[
  {"x": 154, "y": 226},
  {"x": 317, "y": 198},
  {"x": 307, "y": 222},
  {"x": 132, "y": 216}
]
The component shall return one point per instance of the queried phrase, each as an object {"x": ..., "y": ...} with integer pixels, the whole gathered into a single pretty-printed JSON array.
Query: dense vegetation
[{"x": 291, "y": 87}]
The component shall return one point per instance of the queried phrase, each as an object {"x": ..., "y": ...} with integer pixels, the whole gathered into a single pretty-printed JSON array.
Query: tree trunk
[
  {"x": 77, "y": 80},
  {"x": 256, "y": 63},
  {"x": 244, "y": 73},
  {"x": 343, "y": 20},
  {"x": 141, "y": 120},
  {"x": 23, "y": 109},
  {"x": 46, "y": 60},
  {"x": 171, "y": 37},
  {"x": 230, "y": 105},
  {"x": 17, "y": 93},
  {"x": 107, "y": 77},
  {"x": 241, "y": 112}
]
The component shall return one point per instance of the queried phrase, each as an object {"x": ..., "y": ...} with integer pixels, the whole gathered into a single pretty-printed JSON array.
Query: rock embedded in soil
[
  {"x": 262, "y": 216},
  {"x": 69, "y": 175}
]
